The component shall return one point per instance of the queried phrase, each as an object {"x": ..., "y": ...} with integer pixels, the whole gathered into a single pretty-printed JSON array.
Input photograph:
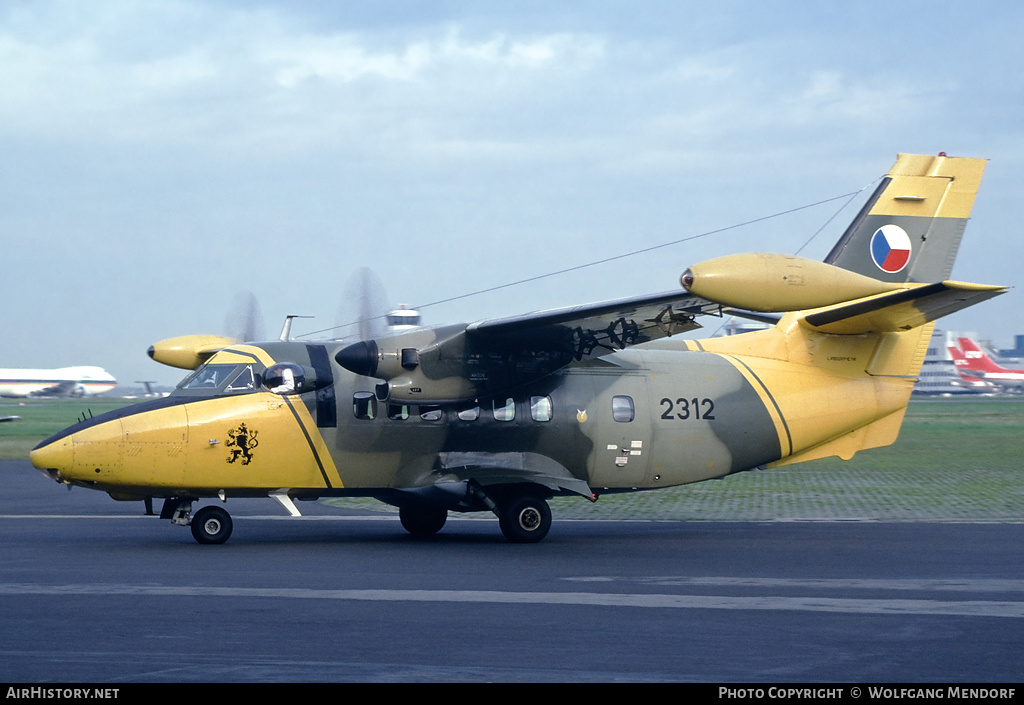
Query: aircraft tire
[
  {"x": 525, "y": 519},
  {"x": 211, "y": 525},
  {"x": 422, "y": 520}
]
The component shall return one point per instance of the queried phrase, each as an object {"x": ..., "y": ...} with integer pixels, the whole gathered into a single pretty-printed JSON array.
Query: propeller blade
[
  {"x": 244, "y": 320},
  {"x": 364, "y": 306}
]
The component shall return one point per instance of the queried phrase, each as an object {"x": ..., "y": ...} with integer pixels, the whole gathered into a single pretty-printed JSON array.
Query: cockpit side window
[{"x": 244, "y": 381}]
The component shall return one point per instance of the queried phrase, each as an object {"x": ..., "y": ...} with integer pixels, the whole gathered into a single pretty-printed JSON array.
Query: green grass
[
  {"x": 955, "y": 460},
  {"x": 43, "y": 417}
]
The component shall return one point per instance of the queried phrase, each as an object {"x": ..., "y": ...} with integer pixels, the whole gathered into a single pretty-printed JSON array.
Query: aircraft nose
[{"x": 52, "y": 456}]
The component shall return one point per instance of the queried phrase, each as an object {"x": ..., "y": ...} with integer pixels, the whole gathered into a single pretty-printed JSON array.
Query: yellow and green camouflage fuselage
[{"x": 502, "y": 414}]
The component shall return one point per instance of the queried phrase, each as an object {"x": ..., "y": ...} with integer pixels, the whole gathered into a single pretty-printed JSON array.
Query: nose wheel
[{"x": 211, "y": 525}]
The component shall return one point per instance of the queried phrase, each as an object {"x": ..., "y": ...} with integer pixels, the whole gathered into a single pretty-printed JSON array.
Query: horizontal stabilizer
[{"x": 899, "y": 310}]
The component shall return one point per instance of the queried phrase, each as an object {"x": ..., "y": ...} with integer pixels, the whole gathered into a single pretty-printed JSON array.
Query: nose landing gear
[{"x": 210, "y": 525}]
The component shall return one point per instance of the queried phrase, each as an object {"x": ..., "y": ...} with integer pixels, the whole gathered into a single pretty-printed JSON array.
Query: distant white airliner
[{"x": 63, "y": 382}]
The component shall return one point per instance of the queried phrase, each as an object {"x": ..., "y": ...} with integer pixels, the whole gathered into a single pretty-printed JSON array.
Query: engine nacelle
[
  {"x": 427, "y": 365},
  {"x": 775, "y": 283},
  {"x": 189, "y": 351},
  {"x": 446, "y": 364}
]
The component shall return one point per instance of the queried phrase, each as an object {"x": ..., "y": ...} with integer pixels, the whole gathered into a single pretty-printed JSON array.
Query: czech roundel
[{"x": 890, "y": 248}]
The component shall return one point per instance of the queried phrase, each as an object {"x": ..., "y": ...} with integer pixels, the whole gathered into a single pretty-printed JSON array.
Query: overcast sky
[{"x": 159, "y": 158}]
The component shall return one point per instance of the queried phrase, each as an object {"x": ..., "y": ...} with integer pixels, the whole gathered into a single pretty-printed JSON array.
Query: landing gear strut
[{"x": 209, "y": 525}]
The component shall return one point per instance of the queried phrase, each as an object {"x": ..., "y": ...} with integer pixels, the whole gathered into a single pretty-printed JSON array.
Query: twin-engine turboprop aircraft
[{"x": 503, "y": 414}]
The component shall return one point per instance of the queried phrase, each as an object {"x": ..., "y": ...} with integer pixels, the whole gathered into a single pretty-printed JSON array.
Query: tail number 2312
[{"x": 685, "y": 409}]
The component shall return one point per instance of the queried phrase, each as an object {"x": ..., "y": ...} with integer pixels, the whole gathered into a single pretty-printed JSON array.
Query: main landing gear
[
  {"x": 522, "y": 517},
  {"x": 422, "y": 519}
]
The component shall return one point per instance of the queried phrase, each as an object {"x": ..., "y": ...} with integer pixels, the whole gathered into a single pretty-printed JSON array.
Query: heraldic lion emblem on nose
[{"x": 242, "y": 441}]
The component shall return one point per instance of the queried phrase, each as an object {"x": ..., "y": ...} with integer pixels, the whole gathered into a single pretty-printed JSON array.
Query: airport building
[
  {"x": 1012, "y": 357},
  {"x": 938, "y": 373},
  {"x": 939, "y": 376}
]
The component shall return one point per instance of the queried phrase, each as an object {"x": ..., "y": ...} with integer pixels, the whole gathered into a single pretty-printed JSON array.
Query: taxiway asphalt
[{"x": 93, "y": 591}]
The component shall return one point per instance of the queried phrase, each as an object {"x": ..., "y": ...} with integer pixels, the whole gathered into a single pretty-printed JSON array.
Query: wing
[
  {"x": 59, "y": 389},
  {"x": 595, "y": 329},
  {"x": 457, "y": 363}
]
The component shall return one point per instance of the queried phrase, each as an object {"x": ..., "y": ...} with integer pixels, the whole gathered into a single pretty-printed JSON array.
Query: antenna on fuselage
[{"x": 286, "y": 330}]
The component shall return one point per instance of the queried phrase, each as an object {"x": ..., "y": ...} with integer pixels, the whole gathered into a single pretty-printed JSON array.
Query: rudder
[{"x": 910, "y": 228}]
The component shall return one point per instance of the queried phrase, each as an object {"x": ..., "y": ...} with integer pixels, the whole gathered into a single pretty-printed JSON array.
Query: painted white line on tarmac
[
  {"x": 962, "y": 608},
  {"x": 918, "y": 584}
]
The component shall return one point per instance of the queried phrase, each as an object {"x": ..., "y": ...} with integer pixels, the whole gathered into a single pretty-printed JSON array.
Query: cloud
[
  {"x": 235, "y": 80},
  {"x": 458, "y": 147},
  {"x": 270, "y": 85}
]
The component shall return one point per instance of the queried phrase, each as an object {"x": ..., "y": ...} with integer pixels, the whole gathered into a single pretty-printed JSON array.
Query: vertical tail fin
[
  {"x": 862, "y": 355},
  {"x": 971, "y": 379},
  {"x": 910, "y": 228},
  {"x": 961, "y": 364},
  {"x": 976, "y": 359}
]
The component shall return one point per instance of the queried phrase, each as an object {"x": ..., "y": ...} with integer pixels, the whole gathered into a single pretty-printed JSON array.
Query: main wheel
[
  {"x": 211, "y": 525},
  {"x": 525, "y": 519},
  {"x": 422, "y": 519}
]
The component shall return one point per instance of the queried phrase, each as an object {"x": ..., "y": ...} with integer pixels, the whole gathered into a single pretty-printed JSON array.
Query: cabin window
[
  {"x": 622, "y": 409},
  {"x": 540, "y": 408},
  {"x": 504, "y": 410},
  {"x": 470, "y": 414},
  {"x": 364, "y": 405},
  {"x": 398, "y": 412},
  {"x": 430, "y": 413}
]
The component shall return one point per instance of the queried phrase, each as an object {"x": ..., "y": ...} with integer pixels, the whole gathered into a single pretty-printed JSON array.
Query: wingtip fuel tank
[
  {"x": 776, "y": 283},
  {"x": 188, "y": 351}
]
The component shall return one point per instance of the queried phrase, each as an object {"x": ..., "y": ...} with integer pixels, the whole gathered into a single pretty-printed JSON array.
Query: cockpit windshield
[
  {"x": 207, "y": 377},
  {"x": 230, "y": 378}
]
